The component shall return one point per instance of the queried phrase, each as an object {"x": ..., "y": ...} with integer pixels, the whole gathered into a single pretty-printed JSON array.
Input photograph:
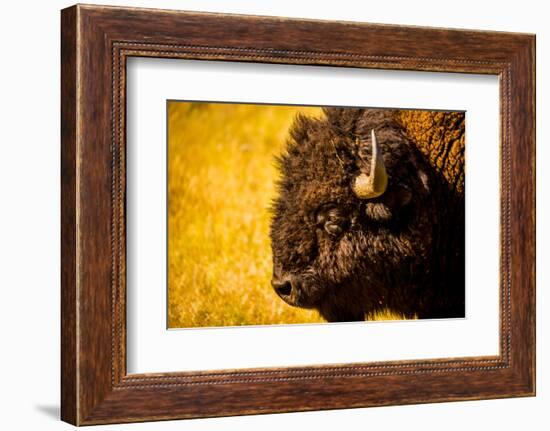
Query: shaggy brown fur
[
  {"x": 347, "y": 257},
  {"x": 440, "y": 138}
]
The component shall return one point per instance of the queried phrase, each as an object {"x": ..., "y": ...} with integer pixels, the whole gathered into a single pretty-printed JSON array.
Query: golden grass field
[{"x": 221, "y": 180}]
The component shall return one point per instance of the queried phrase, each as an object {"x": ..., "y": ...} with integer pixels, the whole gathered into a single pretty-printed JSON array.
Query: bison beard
[{"x": 351, "y": 253}]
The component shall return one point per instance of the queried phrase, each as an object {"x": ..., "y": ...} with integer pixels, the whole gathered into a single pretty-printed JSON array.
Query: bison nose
[{"x": 282, "y": 287}]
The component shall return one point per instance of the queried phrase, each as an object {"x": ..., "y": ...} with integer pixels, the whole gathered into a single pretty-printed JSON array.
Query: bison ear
[
  {"x": 424, "y": 181},
  {"x": 404, "y": 196}
]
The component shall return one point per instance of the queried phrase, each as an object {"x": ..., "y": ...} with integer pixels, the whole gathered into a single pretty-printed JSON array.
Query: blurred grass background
[{"x": 221, "y": 179}]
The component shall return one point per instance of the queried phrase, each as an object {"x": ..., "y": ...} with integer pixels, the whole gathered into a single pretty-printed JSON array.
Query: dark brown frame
[{"x": 95, "y": 43}]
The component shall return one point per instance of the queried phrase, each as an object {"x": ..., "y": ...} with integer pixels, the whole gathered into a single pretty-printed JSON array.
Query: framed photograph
[{"x": 264, "y": 214}]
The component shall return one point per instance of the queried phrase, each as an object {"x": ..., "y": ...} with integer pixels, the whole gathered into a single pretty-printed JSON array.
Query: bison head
[{"x": 351, "y": 219}]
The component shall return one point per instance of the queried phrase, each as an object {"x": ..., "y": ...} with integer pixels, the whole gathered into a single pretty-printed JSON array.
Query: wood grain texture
[{"x": 96, "y": 41}]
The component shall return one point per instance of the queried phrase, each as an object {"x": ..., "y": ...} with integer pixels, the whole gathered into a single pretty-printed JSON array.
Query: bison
[{"x": 368, "y": 217}]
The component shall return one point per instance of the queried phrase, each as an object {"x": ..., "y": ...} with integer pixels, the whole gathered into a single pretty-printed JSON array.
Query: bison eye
[
  {"x": 333, "y": 229},
  {"x": 332, "y": 221}
]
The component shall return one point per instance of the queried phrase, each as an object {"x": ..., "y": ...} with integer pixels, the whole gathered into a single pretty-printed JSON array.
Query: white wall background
[{"x": 29, "y": 215}]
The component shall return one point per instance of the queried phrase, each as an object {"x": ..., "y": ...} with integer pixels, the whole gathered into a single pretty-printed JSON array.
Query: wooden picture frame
[{"x": 95, "y": 43}]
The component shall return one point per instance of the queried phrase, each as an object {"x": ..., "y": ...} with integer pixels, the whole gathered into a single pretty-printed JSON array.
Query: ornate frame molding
[{"x": 96, "y": 41}]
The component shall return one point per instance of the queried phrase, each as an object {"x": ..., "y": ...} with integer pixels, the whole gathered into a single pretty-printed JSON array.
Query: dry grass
[{"x": 221, "y": 182}]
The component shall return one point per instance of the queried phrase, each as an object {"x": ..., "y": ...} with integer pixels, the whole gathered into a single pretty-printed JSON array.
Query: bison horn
[{"x": 373, "y": 185}]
